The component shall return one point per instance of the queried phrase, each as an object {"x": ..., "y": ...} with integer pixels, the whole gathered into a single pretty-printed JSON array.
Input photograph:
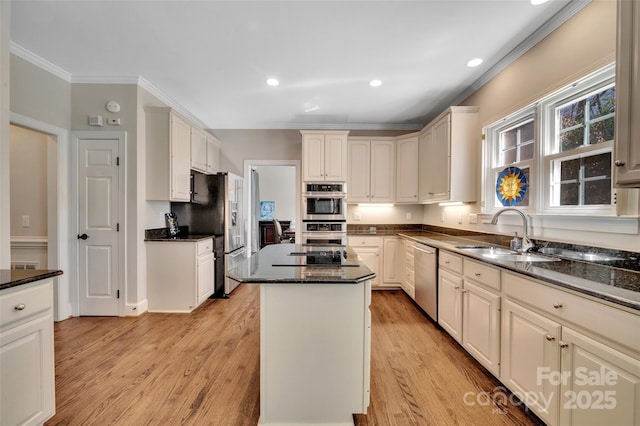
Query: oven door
[
  {"x": 324, "y": 239},
  {"x": 323, "y": 207}
]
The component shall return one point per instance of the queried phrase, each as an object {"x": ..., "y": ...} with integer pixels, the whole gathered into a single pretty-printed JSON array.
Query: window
[{"x": 563, "y": 145}]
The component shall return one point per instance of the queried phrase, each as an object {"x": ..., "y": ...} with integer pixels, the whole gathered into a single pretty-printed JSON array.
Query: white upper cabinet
[
  {"x": 407, "y": 170},
  {"x": 168, "y": 155},
  {"x": 198, "y": 150},
  {"x": 371, "y": 171},
  {"x": 213, "y": 155},
  {"x": 449, "y": 150},
  {"x": 627, "y": 140},
  {"x": 324, "y": 156}
]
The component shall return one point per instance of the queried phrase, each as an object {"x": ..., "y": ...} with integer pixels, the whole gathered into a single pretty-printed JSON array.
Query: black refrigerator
[{"x": 216, "y": 208}]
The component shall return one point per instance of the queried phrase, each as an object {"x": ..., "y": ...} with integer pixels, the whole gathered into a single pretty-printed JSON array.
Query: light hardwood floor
[{"x": 203, "y": 369}]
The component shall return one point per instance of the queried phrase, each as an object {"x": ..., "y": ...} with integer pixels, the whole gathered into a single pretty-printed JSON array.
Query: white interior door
[{"x": 98, "y": 226}]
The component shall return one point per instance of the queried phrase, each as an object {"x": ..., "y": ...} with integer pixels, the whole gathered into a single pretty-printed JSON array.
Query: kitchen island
[{"x": 315, "y": 333}]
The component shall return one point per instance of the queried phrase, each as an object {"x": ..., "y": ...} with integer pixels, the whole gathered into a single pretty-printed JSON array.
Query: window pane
[
  {"x": 570, "y": 170},
  {"x": 526, "y": 132},
  {"x": 571, "y": 139},
  {"x": 525, "y": 199},
  {"x": 569, "y": 194},
  {"x": 508, "y": 157},
  {"x": 601, "y": 131},
  {"x": 598, "y": 165},
  {"x": 509, "y": 138},
  {"x": 597, "y": 192},
  {"x": 602, "y": 103},
  {"x": 526, "y": 152},
  {"x": 572, "y": 115}
]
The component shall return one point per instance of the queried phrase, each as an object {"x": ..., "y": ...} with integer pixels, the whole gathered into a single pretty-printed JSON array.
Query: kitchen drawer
[
  {"x": 25, "y": 301},
  {"x": 482, "y": 273},
  {"x": 450, "y": 261},
  {"x": 205, "y": 247},
  {"x": 606, "y": 321},
  {"x": 409, "y": 258},
  {"x": 409, "y": 275},
  {"x": 358, "y": 241}
]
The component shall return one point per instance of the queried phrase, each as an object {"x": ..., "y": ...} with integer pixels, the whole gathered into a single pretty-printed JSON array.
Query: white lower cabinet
[
  {"x": 383, "y": 256},
  {"x": 409, "y": 275},
  {"x": 180, "y": 275},
  {"x": 469, "y": 308},
  {"x": 369, "y": 250},
  {"x": 27, "y": 383},
  {"x": 391, "y": 266},
  {"x": 573, "y": 360}
]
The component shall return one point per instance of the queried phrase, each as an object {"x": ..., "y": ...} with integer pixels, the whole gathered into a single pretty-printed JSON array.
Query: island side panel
[{"x": 315, "y": 347}]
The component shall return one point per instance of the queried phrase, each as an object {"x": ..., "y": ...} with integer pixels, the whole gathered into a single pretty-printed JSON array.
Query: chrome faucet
[{"x": 526, "y": 242}]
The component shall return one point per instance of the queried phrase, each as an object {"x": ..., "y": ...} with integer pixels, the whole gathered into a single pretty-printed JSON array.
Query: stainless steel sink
[
  {"x": 486, "y": 250},
  {"x": 521, "y": 257}
]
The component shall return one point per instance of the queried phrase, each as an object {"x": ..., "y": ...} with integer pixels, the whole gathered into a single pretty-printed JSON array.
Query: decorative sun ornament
[{"x": 511, "y": 186}]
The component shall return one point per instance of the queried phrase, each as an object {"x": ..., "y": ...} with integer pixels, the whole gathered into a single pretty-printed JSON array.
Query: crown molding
[
  {"x": 38, "y": 61},
  {"x": 547, "y": 28}
]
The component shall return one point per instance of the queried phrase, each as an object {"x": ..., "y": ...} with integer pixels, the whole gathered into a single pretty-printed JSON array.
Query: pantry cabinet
[
  {"x": 627, "y": 141},
  {"x": 324, "y": 156},
  {"x": 570, "y": 355},
  {"x": 27, "y": 387},
  {"x": 371, "y": 170},
  {"x": 449, "y": 149},
  {"x": 407, "y": 162},
  {"x": 168, "y": 155},
  {"x": 180, "y": 274}
]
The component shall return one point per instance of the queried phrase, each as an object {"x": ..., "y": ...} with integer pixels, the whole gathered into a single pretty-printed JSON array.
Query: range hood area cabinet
[
  {"x": 449, "y": 150},
  {"x": 168, "y": 155},
  {"x": 324, "y": 156},
  {"x": 627, "y": 140},
  {"x": 371, "y": 170}
]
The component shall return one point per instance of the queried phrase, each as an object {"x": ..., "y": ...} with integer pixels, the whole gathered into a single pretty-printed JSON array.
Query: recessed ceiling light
[
  {"x": 537, "y": 2},
  {"x": 474, "y": 62},
  {"x": 375, "y": 83},
  {"x": 272, "y": 82}
]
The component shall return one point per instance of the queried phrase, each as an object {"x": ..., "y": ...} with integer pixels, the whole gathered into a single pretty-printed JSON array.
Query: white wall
[
  {"x": 278, "y": 184},
  {"x": 5, "y": 233}
]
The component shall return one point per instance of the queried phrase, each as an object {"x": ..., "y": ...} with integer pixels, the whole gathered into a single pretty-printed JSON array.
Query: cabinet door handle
[
  {"x": 20, "y": 307},
  {"x": 550, "y": 338},
  {"x": 619, "y": 163},
  {"x": 464, "y": 291},
  {"x": 477, "y": 274},
  {"x": 557, "y": 305},
  {"x": 447, "y": 262},
  {"x": 456, "y": 287},
  {"x": 563, "y": 344}
]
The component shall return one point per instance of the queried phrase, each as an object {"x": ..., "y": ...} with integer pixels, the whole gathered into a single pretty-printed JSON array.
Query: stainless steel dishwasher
[{"x": 426, "y": 285}]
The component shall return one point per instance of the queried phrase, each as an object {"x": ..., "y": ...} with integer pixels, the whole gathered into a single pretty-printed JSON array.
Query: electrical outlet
[
  {"x": 356, "y": 216},
  {"x": 460, "y": 218},
  {"x": 473, "y": 218},
  {"x": 442, "y": 217},
  {"x": 409, "y": 216},
  {"x": 25, "y": 221}
]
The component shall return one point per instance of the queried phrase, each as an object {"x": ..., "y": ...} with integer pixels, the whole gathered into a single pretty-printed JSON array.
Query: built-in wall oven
[
  {"x": 325, "y": 233},
  {"x": 324, "y": 201}
]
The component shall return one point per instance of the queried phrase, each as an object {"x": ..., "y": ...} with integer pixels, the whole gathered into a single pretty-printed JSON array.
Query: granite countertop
[
  {"x": 616, "y": 285},
  {"x": 189, "y": 238},
  {"x": 15, "y": 277},
  {"x": 259, "y": 268}
]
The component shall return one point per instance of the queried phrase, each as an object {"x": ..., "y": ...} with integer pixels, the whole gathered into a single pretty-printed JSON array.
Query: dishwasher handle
[{"x": 423, "y": 250}]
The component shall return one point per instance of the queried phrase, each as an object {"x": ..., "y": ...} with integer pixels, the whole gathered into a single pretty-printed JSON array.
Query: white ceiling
[{"x": 212, "y": 58}]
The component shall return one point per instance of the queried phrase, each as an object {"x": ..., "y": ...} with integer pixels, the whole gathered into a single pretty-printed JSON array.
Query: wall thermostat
[{"x": 113, "y": 106}]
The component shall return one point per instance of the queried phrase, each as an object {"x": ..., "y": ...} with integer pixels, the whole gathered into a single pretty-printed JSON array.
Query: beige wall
[
  {"x": 582, "y": 45},
  {"x": 40, "y": 95},
  {"x": 28, "y": 182},
  {"x": 278, "y": 184}
]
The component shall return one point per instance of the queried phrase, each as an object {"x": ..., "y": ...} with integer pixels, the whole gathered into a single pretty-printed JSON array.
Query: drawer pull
[
  {"x": 557, "y": 305},
  {"x": 464, "y": 291},
  {"x": 20, "y": 307},
  {"x": 563, "y": 344},
  {"x": 457, "y": 287},
  {"x": 550, "y": 338},
  {"x": 477, "y": 274},
  {"x": 447, "y": 262}
]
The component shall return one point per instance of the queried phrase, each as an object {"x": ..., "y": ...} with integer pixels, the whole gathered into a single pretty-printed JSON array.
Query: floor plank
[{"x": 203, "y": 369}]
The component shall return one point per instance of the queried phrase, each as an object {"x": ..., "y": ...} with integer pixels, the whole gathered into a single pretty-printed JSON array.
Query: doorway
[
  {"x": 278, "y": 188},
  {"x": 57, "y": 221}
]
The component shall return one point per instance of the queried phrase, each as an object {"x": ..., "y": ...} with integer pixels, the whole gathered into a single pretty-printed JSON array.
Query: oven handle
[{"x": 324, "y": 195}]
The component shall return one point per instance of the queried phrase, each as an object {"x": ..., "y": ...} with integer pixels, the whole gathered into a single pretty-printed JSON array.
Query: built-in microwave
[{"x": 324, "y": 201}]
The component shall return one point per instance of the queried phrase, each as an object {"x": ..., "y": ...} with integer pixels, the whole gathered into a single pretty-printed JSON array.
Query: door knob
[{"x": 83, "y": 237}]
